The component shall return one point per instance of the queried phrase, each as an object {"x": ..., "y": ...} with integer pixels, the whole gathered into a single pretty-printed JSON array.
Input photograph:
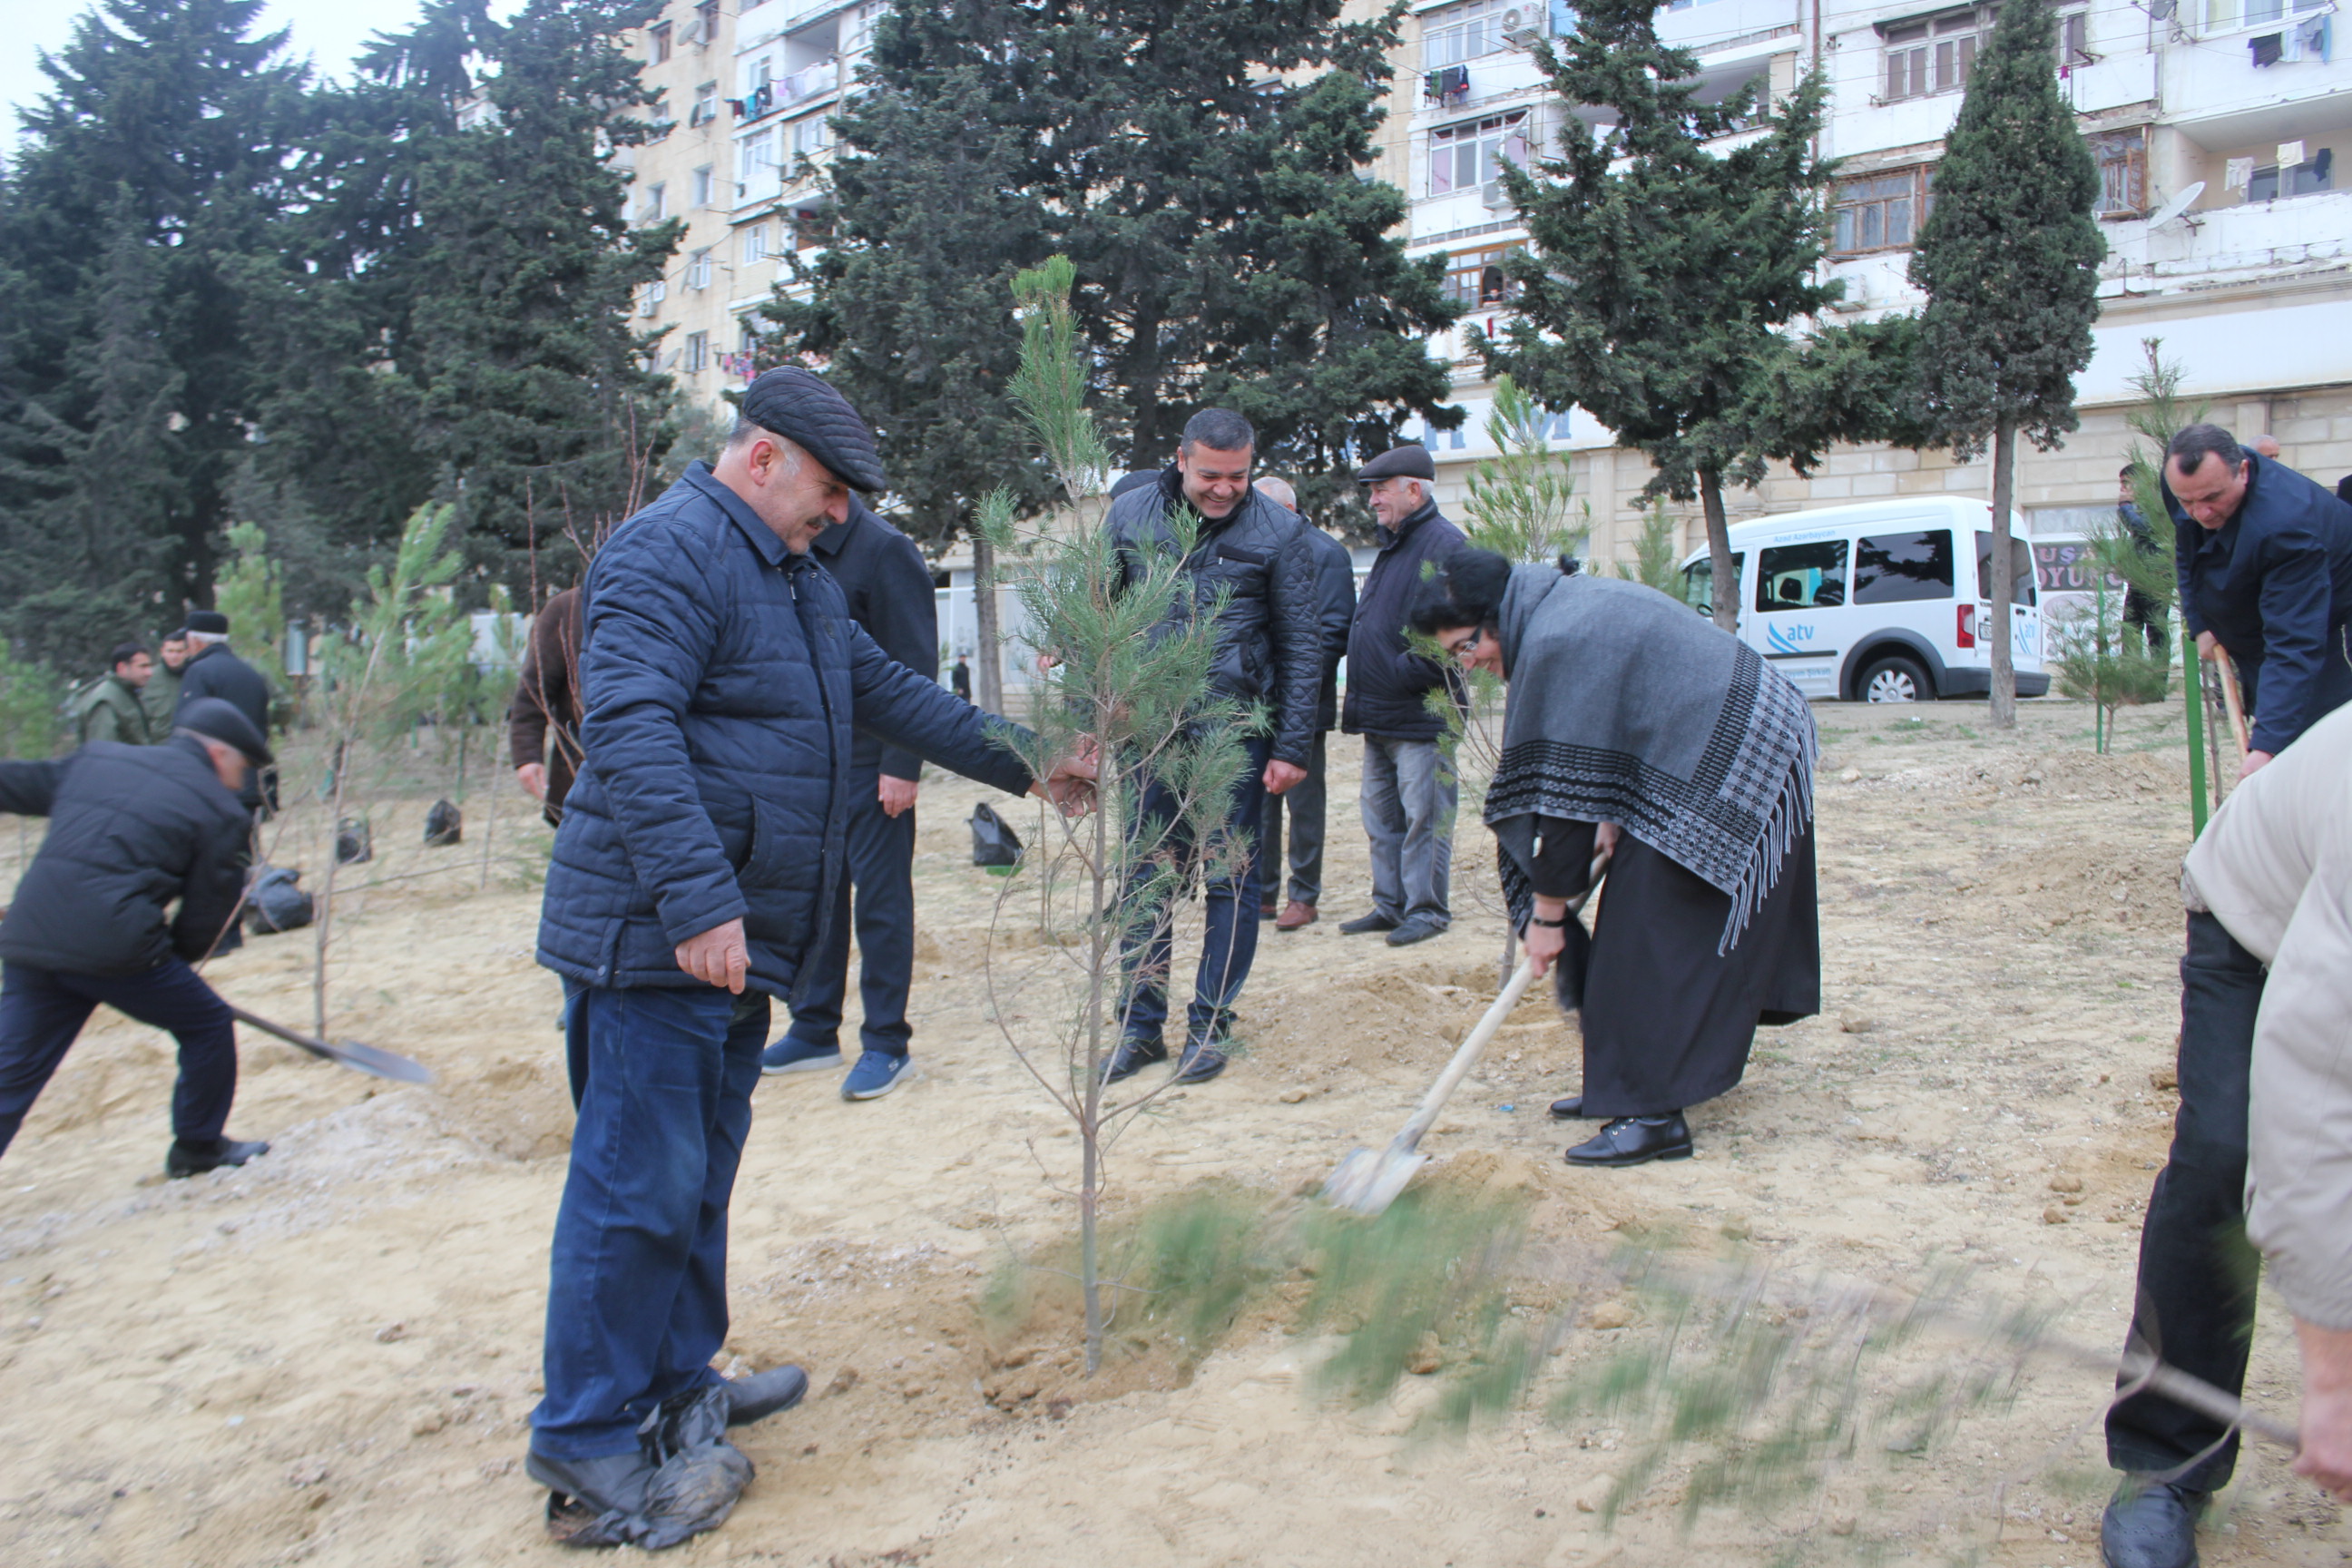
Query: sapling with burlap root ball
[{"x": 1134, "y": 687}]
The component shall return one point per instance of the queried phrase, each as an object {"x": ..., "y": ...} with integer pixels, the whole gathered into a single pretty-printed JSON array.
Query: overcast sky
[{"x": 329, "y": 31}]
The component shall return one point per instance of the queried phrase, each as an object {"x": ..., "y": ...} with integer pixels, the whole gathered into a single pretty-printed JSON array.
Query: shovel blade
[
  {"x": 377, "y": 1062},
  {"x": 1368, "y": 1183}
]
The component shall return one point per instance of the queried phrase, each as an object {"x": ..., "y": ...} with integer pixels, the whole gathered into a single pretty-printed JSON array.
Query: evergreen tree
[
  {"x": 1665, "y": 263},
  {"x": 1226, "y": 250},
  {"x": 2008, "y": 259},
  {"x": 143, "y": 197}
]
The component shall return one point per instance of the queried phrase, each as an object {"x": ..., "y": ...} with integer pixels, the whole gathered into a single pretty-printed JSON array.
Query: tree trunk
[
  {"x": 1718, "y": 551},
  {"x": 2004, "y": 489},
  {"x": 988, "y": 657}
]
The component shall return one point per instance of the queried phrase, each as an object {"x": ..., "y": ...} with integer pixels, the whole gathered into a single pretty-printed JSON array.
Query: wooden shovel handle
[{"x": 2235, "y": 701}]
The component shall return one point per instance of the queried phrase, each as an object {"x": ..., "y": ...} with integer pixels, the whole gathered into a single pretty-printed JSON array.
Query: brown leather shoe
[{"x": 1295, "y": 915}]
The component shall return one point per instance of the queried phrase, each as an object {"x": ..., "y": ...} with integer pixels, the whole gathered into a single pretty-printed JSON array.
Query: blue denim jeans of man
[
  {"x": 42, "y": 1010},
  {"x": 2197, "y": 1270},
  {"x": 1305, "y": 802},
  {"x": 881, "y": 853},
  {"x": 636, "y": 1302},
  {"x": 1409, "y": 797},
  {"x": 1229, "y": 937}
]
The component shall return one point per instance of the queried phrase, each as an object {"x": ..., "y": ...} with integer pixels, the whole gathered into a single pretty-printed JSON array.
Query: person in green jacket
[
  {"x": 160, "y": 696},
  {"x": 108, "y": 709}
]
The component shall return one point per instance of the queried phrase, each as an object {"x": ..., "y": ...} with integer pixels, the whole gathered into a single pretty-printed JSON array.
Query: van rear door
[{"x": 2024, "y": 614}]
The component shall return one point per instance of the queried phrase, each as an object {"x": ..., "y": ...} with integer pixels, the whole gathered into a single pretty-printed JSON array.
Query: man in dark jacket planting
[
  {"x": 131, "y": 830},
  {"x": 1269, "y": 649},
  {"x": 701, "y": 848},
  {"x": 1410, "y": 794}
]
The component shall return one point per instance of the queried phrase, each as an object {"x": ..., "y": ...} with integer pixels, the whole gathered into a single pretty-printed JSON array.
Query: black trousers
[
  {"x": 881, "y": 851},
  {"x": 1306, "y": 802},
  {"x": 2196, "y": 1299},
  {"x": 42, "y": 1010}
]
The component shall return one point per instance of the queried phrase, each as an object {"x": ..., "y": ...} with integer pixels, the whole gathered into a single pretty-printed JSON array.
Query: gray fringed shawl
[{"x": 1625, "y": 707}]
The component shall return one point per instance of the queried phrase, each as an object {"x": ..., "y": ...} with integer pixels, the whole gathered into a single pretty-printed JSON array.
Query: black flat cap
[
  {"x": 1410, "y": 461},
  {"x": 211, "y": 717},
  {"x": 800, "y": 407},
  {"x": 211, "y": 622},
  {"x": 1134, "y": 481}
]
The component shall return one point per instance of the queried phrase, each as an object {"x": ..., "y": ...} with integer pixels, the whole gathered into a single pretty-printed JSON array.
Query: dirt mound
[
  {"x": 2057, "y": 775},
  {"x": 1412, "y": 1017}
]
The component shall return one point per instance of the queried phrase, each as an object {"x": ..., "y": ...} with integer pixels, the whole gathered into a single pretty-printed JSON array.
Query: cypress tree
[
  {"x": 2008, "y": 259},
  {"x": 1665, "y": 261}
]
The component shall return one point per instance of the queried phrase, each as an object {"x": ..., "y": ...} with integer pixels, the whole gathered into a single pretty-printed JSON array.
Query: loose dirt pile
[{"x": 327, "y": 1357}]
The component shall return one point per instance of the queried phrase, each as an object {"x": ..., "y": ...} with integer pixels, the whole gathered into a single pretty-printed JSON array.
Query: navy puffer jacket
[{"x": 722, "y": 676}]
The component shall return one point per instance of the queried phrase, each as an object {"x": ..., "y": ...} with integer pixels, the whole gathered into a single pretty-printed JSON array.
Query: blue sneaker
[
  {"x": 791, "y": 1055},
  {"x": 876, "y": 1075}
]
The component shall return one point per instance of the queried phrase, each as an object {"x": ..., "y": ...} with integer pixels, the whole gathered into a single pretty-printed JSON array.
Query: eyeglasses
[{"x": 1470, "y": 643}]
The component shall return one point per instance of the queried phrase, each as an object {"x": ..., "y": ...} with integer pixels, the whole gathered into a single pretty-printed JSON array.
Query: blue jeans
[
  {"x": 1409, "y": 797},
  {"x": 1228, "y": 946},
  {"x": 881, "y": 866},
  {"x": 636, "y": 1303},
  {"x": 42, "y": 1010}
]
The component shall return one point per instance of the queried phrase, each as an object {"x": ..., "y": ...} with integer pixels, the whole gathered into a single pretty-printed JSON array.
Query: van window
[
  {"x": 1890, "y": 568},
  {"x": 1698, "y": 583},
  {"x": 2021, "y": 557},
  {"x": 1801, "y": 576}
]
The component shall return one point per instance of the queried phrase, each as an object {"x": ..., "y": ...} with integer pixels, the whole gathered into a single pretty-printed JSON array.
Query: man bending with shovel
[{"x": 131, "y": 829}]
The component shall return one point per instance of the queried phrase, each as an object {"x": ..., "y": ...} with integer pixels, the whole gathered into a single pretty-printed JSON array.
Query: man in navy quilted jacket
[{"x": 697, "y": 861}]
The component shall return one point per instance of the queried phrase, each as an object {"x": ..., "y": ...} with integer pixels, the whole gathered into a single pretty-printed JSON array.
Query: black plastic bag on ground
[
  {"x": 994, "y": 842},
  {"x": 273, "y": 903},
  {"x": 698, "y": 1479},
  {"x": 353, "y": 843},
  {"x": 444, "y": 825}
]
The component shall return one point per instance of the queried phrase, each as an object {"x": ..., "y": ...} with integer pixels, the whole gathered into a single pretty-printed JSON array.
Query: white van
[{"x": 1859, "y": 602}]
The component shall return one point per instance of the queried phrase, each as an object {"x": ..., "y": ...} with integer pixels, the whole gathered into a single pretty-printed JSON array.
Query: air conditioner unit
[
  {"x": 1523, "y": 25},
  {"x": 1495, "y": 197}
]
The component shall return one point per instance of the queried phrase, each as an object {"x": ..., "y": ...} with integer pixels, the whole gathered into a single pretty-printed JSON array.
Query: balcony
[{"x": 2264, "y": 244}]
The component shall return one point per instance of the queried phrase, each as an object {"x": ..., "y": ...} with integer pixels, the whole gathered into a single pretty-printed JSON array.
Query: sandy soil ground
[{"x": 328, "y": 1356}]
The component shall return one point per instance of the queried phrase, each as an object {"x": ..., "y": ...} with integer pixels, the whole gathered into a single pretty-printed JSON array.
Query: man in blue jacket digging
[{"x": 696, "y": 864}]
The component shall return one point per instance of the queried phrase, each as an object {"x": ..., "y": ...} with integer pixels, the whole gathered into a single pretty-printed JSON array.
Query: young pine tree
[{"x": 2009, "y": 260}]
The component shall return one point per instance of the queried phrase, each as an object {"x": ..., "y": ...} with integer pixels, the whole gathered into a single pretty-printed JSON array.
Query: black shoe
[
  {"x": 189, "y": 1157},
  {"x": 1131, "y": 1057},
  {"x": 2151, "y": 1525},
  {"x": 1418, "y": 929},
  {"x": 1268, "y": 912},
  {"x": 1200, "y": 1063},
  {"x": 1568, "y": 1109},
  {"x": 614, "y": 1483},
  {"x": 1636, "y": 1141},
  {"x": 757, "y": 1395},
  {"x": 1362, "y": 924}
]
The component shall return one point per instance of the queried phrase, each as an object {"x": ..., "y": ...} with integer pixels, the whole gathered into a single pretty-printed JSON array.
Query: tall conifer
[{"x": 2009, "y": 257}]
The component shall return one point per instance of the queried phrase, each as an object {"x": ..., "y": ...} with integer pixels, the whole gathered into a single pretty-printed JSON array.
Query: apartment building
[
  {"x": 2217, "y": 125},
  {"x": 739, "y": 132}
]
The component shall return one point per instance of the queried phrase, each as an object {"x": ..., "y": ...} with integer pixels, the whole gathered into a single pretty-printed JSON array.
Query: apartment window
[
  {"x": 697, "y": 269},
  {"x": 2271, "y": 181},
  {"x": 698, "y": 352},
  {"x": 659, "y": 125},
  {"x": 811, "y": 227},
  {"x": 659, "y": 43},
  {"x": 1465, "y": 32},
  {"x": 1934, "y": 54},
  {"x": 1474, "y": 278},
  {"x": 2121, "y": 158},
  {"x": 809, "y": 136},
  {"x": 862, "y": 26},
  {"x": 702, "y": 187},
  {"x": 656, "y": 206},
  {"x": 755, "y": 243},
  {"x": 1465, "y": 156},
  {"x": 650, "y": 296},
  {"x": 747, "y": 336},
  {"x": 706, "y": 20},
  {"x": 759, "y": 162},
  {"x": 1880, "y": 212},
  {"x": 706, "y": 104},
  {"x": 2074, "y": 41}
]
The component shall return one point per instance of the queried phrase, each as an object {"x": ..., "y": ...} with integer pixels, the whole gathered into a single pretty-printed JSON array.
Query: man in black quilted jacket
[
  {"x": 1269, "y": 649},
  {"x": 132, "y": 830}
]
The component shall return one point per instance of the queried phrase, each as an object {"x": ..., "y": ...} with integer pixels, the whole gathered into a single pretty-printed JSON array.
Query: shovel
[
  {"x": 1368, "y": 1183},
  {"x": 368, "y": 1060},
  {"x": 2235, "y": 701}
]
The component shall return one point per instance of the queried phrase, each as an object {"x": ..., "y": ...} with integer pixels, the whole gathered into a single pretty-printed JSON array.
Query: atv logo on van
[{"x": 1790, "y": 638}]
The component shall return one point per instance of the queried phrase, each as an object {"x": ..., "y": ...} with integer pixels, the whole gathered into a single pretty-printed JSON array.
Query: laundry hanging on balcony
[{"x": 1450, "y": 84}]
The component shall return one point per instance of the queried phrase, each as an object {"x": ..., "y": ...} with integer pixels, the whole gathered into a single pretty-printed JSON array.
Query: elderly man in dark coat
[
  {"x": 888, "y": 589},
  {"x": 134, "y": 829},
  {"x": 543, "y": 724},
  {"x": 214, "y": 670},
  {"x": 701, "y": 849},
  {"x": 2265, "y": 577}
]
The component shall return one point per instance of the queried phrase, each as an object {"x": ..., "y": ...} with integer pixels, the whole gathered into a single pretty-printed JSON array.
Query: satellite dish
[{"x": 2177, "y": 207}]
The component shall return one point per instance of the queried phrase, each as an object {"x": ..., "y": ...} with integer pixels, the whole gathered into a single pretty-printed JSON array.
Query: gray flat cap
[
  {"x": 798, "y": 406},
  {"x": 1410, "y": 461}
]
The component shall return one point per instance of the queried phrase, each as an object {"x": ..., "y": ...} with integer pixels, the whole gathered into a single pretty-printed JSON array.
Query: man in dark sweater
[
  {"x": 214, "y": 671},
  {"x": 2265, "y": 577},
  {"x": 543, "y": 725},
  {"x": 889, "y": 586},
  {"x": 1305, "y": 802},
  {"x": 1410, "y": 794},
  {"x": 131, "y": 830}
]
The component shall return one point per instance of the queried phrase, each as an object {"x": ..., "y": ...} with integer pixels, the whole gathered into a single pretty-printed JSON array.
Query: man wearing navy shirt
[{"x": 2265, "y": 577}]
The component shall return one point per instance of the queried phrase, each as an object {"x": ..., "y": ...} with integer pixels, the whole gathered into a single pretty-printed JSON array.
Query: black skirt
[{"x": 1667, "y": 1023}]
